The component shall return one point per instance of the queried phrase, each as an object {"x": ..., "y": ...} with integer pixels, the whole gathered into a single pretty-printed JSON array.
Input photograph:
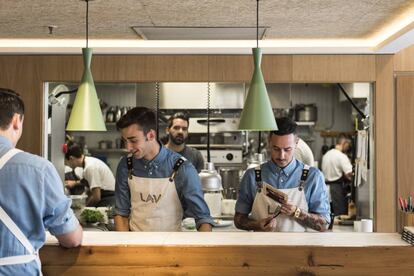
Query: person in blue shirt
[
  {"x": 282, "y": 194},
  {"x": 31, "y": 198},
  {"x": 155, "y": 187}
]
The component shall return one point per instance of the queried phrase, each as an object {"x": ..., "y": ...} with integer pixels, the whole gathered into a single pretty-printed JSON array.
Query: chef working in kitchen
[
  {"x": 338, "y": 174},
  {"x": 306, "y": 203},
  {"x": 155, "y": 187},
  {"x": 31, "y": 198},
  {"x": 97, "y": 176},
  {"x": 177, "y": 131}
]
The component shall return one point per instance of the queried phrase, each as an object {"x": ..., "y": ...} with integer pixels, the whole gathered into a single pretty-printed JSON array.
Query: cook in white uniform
[
  {"x": 338, "y": 174},
  {"x": 307, "y": 205},
  {"x": 96, "y": 174},
  {"x": 304, "y": 154}
]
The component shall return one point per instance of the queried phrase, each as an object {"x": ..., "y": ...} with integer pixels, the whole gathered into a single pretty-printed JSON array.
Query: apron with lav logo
[{"x": 155, "y": 205}]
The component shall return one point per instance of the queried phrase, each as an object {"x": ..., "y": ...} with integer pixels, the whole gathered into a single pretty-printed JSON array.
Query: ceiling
[{"x": 292, "y": 26}]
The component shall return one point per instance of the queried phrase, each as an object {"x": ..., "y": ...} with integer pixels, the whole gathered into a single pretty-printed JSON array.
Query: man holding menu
[{"x": 283, "y": 194}]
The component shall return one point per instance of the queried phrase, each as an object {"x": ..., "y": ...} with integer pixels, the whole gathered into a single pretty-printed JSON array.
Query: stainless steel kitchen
[{"x": 301, "y": 119}]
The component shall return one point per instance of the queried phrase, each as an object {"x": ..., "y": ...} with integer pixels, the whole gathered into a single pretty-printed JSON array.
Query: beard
[{"x": 178, "y": 139}]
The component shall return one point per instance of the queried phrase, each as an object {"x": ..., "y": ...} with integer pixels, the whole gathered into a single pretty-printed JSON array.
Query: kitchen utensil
[
  {"x": 118, "y": 114},
  {"x": 306, "y": 113},
  {"x": 105, "y": 144}
]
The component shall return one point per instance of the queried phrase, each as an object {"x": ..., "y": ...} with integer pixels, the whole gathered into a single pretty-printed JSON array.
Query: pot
[
  {"x": 306, "y": 113},
  {"x": 105, "y": 144}
]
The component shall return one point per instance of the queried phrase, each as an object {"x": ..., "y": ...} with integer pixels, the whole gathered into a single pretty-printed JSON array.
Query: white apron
[
  {"x": 264, "y": 206},
  {"x": 15, "y": 230},
  {"x": 155, "y": 205}
]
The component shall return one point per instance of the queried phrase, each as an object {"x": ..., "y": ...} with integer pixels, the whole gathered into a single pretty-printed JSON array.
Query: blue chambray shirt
[
  {"x": 187, "y": 183},
  {"x": 31, "y": 193},
  {"x": 289, "y": 177}
]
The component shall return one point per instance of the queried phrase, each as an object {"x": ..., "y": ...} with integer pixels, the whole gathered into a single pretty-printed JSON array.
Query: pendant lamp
[
  {"x": 257, "y": 113},
  {"x": 86, "y": 113}
]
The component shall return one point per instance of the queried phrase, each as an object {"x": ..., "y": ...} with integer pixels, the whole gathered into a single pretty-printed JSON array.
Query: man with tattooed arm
[{"x": 304, "y": 203}]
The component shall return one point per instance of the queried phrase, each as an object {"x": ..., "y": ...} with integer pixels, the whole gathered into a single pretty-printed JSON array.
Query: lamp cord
[
  {"x": 257, "y": 24},
  {"x": 87, "y": 22},
  {"x": 208, "y": 122}
]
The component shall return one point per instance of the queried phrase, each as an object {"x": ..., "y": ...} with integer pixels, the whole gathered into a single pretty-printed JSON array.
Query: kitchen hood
[{"x": 192, "y": 95}]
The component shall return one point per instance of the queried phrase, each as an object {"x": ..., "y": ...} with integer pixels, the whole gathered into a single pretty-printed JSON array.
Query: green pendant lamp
[
  {"x": 257, "y": 113},
  {"x": 86, "y": 113}
]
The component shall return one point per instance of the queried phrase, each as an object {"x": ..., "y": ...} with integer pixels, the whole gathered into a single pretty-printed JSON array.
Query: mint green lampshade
[
  {"x": 257, "y": 113},
  {"x": 86, "y": 113}
]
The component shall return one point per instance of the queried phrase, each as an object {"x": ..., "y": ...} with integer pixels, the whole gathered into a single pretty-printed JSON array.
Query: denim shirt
[
  {"x": 286, "y": 178},
  {"x": 187, "y": 183},
  {"x": 32, "y": 196}
]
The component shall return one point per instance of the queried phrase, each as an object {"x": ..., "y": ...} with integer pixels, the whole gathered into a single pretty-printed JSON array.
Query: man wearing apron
[
  {"x": 31, "y": 198},
  {"x": 155, "y": 187},
  {"x": 338, "y": 174},
  {"x": 307, "y": 205}
]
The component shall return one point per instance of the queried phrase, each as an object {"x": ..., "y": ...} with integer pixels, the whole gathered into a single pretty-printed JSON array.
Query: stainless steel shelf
[{"x": 303, "y": 123}]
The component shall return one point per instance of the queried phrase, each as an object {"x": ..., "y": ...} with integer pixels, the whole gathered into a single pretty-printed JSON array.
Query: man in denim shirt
[
  {"x": 155, "y": 187},
  {"x": 31, "y": 198}
]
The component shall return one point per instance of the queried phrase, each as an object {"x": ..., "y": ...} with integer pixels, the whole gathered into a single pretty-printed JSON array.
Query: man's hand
[
  {"x": 242, "y": 221},
  {"x": 70, "y": 183},
  {"x": 288, "y": 209},
  {"x": 205, "y": 227}
]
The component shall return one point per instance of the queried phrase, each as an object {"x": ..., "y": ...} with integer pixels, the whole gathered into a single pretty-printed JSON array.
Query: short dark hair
[
  {"x": 10, "y": 104},
  {"x": 73, "y": 149},
  {"x": 142, "y": 116},
  {"x": 342, "y": 137},
  {"x": 285, "y": 126},
  {"x": 178, "y": 115}
]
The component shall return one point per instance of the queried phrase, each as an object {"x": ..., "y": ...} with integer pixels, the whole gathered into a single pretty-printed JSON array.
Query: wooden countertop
[{"x": 327, "y": 239}]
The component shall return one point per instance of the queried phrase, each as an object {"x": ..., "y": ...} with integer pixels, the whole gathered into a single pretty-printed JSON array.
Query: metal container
[
  {"x": 231, "y": 181},
  {"x": 306, "y": 113},
  {"x": 210, "y": 179}
]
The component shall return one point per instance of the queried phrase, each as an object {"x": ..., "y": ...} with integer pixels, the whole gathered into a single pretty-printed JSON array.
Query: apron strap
[
  {"x": 304, "y": 176},
  {"x": 130, "y": 157},
  {"x": 5, "y": 158},
  {"x": 258, "y": 177},
  {"x": 177, "y": 165}
]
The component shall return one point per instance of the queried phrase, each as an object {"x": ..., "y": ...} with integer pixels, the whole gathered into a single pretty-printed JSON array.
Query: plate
[{"x": 222, "y": 223}]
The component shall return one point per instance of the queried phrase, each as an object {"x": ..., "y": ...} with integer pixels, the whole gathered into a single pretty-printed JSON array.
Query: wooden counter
[{"x": 227, "y": 253}]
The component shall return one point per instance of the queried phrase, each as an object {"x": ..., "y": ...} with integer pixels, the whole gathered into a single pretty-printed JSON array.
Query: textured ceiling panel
[{"x": 300, "y": 19}]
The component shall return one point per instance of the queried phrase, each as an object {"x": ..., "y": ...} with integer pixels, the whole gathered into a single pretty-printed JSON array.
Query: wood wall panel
[
  {"x": 275, "y": 68},
  {"x": 405, "y": 134},
  {"x": 230, "y": 68},
  {"x": 384, "y": 136},
  {"x": 333, "y": 68},
  {"x": 227, "y": 260},
  {"x": 404, "y": 60}
]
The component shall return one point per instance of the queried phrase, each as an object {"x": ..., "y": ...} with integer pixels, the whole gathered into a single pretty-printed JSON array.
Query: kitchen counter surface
[{"x": 327, "y": 239}]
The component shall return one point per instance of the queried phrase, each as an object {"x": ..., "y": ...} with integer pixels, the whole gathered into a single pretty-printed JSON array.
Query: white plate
[{"x": 222, "y": 223}]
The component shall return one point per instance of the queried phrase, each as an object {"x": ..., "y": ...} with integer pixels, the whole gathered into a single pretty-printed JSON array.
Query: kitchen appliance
[
  {"x": 210, "y": 179},
  {"x": 306, "y": 113},
  {"x": 212, "y": 188}
]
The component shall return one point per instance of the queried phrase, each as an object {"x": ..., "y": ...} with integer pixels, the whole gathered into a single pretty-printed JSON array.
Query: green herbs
[{"x": 92, "y": 216}]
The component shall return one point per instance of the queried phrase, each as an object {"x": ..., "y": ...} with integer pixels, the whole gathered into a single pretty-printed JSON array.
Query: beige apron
[
  {"x": 15, "y": 230},
  {"x": 264, "y": 206},
  {"x": 155, "y": 205}
]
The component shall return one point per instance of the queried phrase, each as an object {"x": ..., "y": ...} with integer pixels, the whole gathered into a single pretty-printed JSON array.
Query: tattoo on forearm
[{"x": 313, "y": 221}]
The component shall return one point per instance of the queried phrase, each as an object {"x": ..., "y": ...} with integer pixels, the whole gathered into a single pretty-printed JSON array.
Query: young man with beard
[
  {"x": 307, "y": 204},
  {"x": 177, "y": 131}
]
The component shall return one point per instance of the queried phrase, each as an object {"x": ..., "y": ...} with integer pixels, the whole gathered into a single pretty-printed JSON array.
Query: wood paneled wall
[{"x": 26, "y": 75}]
